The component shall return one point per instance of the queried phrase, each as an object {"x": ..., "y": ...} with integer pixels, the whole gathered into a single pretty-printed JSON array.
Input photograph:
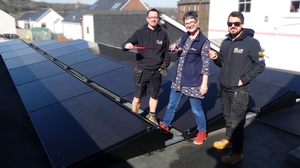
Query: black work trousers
[{"x": 234, "y": 104}]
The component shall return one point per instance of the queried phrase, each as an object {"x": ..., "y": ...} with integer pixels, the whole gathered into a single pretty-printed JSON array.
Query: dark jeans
[{"x": 234, "y": 106}]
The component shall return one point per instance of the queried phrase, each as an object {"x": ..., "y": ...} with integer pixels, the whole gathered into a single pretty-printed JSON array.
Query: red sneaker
[
  {"x": 162, "y": 126},
  {"x": 201, "y": 136}
]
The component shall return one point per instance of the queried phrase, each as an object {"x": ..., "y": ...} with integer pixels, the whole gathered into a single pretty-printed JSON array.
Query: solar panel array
[
  {"x": 72, "y": 119},
  {"x": 54, "y": 81}
]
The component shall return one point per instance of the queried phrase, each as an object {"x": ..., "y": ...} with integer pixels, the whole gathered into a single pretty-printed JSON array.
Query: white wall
[
  {"x": 72, "y": 30},
  {"x": 88, "y": 24},
  {"x": 49, "y": 19},
  {"x": 279, "y": 35},
  {"x": 7, "y": 24}
]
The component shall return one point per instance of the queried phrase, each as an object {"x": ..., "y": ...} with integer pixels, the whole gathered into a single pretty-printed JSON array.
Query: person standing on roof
[
  {"x": 241, "y": 59},
  {"x": 149, "y": 61},
  {"x": 191, "y": 75}
]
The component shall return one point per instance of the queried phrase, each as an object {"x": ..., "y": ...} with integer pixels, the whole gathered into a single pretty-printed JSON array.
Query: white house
[
  {"x": 276, "y": 25},
  {"x": 43, "y": 18},
  {"x": 7, "y": 24}
]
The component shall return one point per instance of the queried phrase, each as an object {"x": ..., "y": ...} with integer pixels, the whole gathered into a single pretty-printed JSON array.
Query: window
[
  {"x": 43, "y": 24},
  {"x": 87, "y": 30},
  {"x": 244, "y": 5},
  {"x": 294, "y": 6},
  {"x": 195, "y": 7}
]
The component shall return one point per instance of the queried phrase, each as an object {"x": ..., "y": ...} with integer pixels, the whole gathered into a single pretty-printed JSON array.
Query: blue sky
[{"x": 151, "y": 3}]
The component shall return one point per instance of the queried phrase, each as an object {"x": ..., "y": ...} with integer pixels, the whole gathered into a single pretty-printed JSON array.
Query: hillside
[{"x": 16, "y": 8}]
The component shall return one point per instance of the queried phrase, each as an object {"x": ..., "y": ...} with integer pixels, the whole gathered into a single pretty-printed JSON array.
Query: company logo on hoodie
[
  {"x": 237, "y": 50},
  {"x": 159, "y": 42}
]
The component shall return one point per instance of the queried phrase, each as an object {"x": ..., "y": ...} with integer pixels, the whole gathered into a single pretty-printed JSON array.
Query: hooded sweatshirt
[
  {"x": 239, "y": 59},
  {"x": 156, "y": 42}
]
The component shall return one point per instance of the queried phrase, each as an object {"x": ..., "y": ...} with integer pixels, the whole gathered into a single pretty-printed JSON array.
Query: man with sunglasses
[
  {"x": 241, "y": 59},
  {"x": 151, "y": 58}
]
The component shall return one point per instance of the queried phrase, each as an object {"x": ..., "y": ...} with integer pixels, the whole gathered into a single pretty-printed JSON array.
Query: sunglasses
[{"x": 237, "y": 24}]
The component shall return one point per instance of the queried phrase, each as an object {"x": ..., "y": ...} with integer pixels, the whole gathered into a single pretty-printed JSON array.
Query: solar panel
[
  {"x": 281, "y": 79},
  {"x": 33, "y": 72},
  {"x": 78, "y": 127},
  {"x": 51, "y": 46},
  {"x": 18, "y": 53},
  {"x": 24, "y": 60},
  {"x": 62, "y": 51},
  {"x": 44, "y": 42},
  {"x": 51, "y": 90},
  {"x": 10, "y": 42},
  {"x": 94, "y": 67},
  {"x": 13, "y": 47},
  {"x": 76, "y": 57},
  {"x": 119, "y": 81}
]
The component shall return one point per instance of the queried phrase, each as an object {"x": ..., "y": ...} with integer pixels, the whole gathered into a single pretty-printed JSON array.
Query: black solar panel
[
  {"x": 10, "y": 42},
  {"x": 47, "y": 91},
  {"x": 18, "y": 53},
  {"x": 119, "y": 81},
  {"x": 75, "y": 128},
  {"x": 76, "y": 57},
  {"x": 24, "y": 60},
  {"x": 281, "y": 79},
  {"x": 44, "y": 42},
  {"x": 51, "y": 46},
  {"x": 13, "y": 47},
  {"x": 33, "y": 72},
  {"x": 94, "y": 67},
  {"x": 62, "y": 51}
]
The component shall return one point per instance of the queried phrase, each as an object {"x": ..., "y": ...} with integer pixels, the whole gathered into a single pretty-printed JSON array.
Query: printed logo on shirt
[
  {"x": 193, "y": 49},
  {"x": 261, "y": 53},
  {"x": 159, "y": 42},
  {"x": 237, "y": 50}
]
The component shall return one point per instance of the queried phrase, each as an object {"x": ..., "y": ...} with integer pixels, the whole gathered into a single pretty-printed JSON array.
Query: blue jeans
[{"x": 196, "y": 105}]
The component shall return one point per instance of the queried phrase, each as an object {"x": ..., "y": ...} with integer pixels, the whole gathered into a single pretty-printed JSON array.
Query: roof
[
  {"x": 267, "y": 138},
  {"x": 34, "y": 15},
  {"x": 27, "y": 15},
  {"x": 188, "y": 2},
  {"x": 75, "y": 16},
  {"x": 63, "y": 14},
  {"x": 109, "y": 5}
]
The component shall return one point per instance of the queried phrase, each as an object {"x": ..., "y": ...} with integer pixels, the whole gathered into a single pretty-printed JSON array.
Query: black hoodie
[
  {"x": 156, "y": 42},
  {"x": 239, "y": 59}
]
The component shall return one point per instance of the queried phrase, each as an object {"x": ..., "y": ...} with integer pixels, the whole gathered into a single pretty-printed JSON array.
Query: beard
[{"x": 234, "y": 35}]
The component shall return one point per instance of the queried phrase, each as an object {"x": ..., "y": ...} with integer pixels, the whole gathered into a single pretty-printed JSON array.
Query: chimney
[{"x": 77, "y": 4}]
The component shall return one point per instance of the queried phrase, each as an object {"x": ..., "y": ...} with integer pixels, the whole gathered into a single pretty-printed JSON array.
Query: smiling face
[
  {"x": 235, "y": 25},
  {"x": 152, "y": 19},
  {"x": 191, "y": 24}
]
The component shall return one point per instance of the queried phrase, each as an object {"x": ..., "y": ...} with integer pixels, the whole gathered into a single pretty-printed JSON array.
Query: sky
[{"x": 151, "y": 3}]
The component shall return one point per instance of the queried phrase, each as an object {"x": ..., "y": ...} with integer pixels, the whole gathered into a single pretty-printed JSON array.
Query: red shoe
[
  {"x": 201, "y": 136},
  {"x": 166, "y": 128}
]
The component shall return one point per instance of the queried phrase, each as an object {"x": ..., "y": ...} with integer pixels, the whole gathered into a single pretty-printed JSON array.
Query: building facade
[{"x": 277, "y": 27}]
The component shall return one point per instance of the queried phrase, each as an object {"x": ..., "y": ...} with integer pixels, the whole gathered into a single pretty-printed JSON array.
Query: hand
[
  {"x": 129, "y": 46},
  {"x": 203, "y": 89},
  {"x": 240, "y": 83},
  {"x": 213, "y": 54},
  {"x": 174, "y": 48}
]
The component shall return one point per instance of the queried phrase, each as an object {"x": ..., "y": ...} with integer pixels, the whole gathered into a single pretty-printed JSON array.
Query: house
[
  {"x": 114, "y": 27},
  {"x": 7, "y": 24},
  {"x": 47, "y": 18},
  {"x": 79, "y": 27},
  {"x": 72, "y": 23},
  {"x": 202, "y": 8},
  {"x": 276, "y": 25}
]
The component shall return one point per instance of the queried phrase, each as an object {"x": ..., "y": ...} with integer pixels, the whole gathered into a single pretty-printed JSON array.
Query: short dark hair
[
  {"x": 238, "y": 15},
  {"x": 153, "y": 10},
  {"x": 190, "y": 15}
]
